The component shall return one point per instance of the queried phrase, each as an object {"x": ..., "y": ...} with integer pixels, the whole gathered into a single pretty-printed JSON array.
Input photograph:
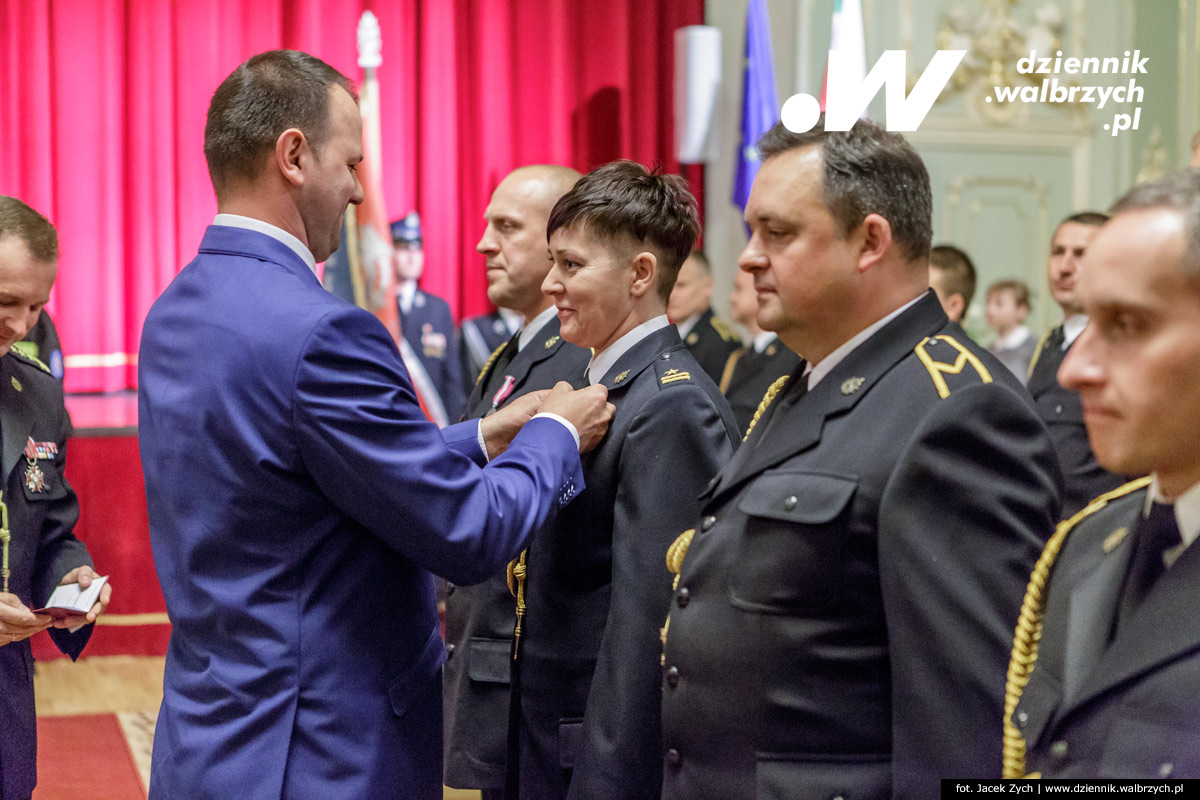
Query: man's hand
[
  {"x": 500, "y": 427},
  {"x": 16, "y": 621},
  {"x": 587, "y": 409},
  {"x": 83, "y": 576}
]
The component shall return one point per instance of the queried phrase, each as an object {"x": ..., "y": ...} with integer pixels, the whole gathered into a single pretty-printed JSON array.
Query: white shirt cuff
[
  {"x": 565, "y": 422},
  {"x": 482, "y": 443}
]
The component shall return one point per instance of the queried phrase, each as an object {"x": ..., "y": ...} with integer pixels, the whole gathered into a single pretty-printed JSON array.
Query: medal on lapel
[
  {"x": 503, "y": 392},
  {"x": 35, "y": 479}
]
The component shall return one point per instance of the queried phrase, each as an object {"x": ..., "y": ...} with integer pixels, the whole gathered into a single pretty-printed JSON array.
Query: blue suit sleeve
[{"x": 371, "y": 451}]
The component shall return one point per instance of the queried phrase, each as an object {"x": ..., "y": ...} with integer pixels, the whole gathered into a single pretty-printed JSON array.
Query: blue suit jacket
[{"x": 297, "y": 497}]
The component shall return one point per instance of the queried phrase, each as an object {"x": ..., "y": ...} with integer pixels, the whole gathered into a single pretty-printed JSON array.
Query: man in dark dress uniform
[
  {"x": 751, "y": 370},
  {"x": 1058, "y": 406},
  {"x": 708, "y": 337},
  {"x": 479, "y": 619},
  {"x": 38, "y": 509},
  {"x": 479, "y": 337},
  {"x": 844, "y": 611},
  {"x": 1109, "y": 629},
  {"x": 596, "y": 591}
]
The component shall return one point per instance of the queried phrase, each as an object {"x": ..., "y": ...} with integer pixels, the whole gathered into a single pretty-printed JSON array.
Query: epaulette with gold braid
[
  {"x": 772, "y": 390},
  {"x": 488, "y": 364},
  {"x": 723, "y": 330},
  {"x": 29, "y": 358},
  {"x": 1029, "y": 627},
  {"x": 949, "y": 360}
]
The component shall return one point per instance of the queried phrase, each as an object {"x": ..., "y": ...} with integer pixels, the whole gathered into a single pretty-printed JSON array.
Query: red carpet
[{"x": 85, "y": 757}]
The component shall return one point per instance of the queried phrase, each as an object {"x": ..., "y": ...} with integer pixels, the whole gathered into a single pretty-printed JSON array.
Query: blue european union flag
[{"x": 760, "y": 102}]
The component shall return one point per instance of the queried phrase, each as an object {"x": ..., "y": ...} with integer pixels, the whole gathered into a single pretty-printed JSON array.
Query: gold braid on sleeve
[
  {"x": 517, "y": 571},
  {"x": 1029, "y": 629},
  {"x": 772, "y": 390}
]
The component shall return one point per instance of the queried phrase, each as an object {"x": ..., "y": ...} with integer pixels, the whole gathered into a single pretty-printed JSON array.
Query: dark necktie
[{"x": 1156, "y": 534}]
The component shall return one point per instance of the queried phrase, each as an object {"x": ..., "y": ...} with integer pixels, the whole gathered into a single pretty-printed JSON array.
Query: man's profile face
[
  {"x": 1137, "y": 364},
  {"x": 1067, "y": 247},
  {"x": 804, "y": 269},
  {"x": 514, "y": 243},
  {"x": 692, "y": 293},
  {"x": 24, "y": 288},
  {"x": 332, "y": 181}
]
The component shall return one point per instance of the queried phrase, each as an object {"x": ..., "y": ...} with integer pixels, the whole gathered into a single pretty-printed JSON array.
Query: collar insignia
[
  {"x": 693, "y": 337},
  {"x": 672, "y": 375},
  {"x": 16, "y": 383},
  {"x": 621, "y": 377},
  {"x": 553, "y": 340},
  {"x": 852, "y": 385},
  {"x": 1113, "y": 539}
]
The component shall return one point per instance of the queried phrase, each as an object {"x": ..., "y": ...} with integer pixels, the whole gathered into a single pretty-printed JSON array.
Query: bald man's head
[{"x": 514, "y": 241}]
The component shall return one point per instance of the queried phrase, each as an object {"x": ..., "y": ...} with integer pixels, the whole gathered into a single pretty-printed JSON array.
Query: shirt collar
[
  {"x": 819, "y": 371},
  {"x": 763, "y": 339},
  {"x": 513, "y": 320},
  {"x": 405, "y": 294},
  {"x": 1015, "y": 337},
  {"x": 603, "y": 361},
  {"x": 534, "y": 325},
  {"x": 266, "y": 228},
  {"x": 1187, "y": 511},
  {"x": 685, "y": 326},
  {"x": 1072, "y": 327}
]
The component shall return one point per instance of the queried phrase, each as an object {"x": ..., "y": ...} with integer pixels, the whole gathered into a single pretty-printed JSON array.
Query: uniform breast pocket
[{"x": 790, "y": 557}]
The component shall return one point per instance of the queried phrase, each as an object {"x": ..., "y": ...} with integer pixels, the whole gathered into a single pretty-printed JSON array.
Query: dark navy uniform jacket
[
  {"x": 478, "y": 338},
  {"x": 845, "y": 610},
  {"x": 598, "y": 588},
  {"x": 43, "y": 549},
  {"x": 752, "y": 374},
  {"x": 429, "y": 330},
  {"x": 1105, "y": 700},
  {"x": 1062, "y": 411},
  {"x": 479, "y": 619},
  {"x": 711, "y": 342}
]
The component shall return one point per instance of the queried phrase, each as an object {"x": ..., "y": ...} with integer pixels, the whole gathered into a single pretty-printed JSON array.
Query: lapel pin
[
  {"x": 1113, "y": 539},
  {"x": 553, "y": 340},
  {"x": 621, "y": 377},
  {"x": 852, "y": 385},
  {"x": 16, "y": 384},
  {"x": 693, "y": 338}
]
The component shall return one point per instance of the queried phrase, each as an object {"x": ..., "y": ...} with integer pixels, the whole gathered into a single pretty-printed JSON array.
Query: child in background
[{"x": 1006, "y": 310}]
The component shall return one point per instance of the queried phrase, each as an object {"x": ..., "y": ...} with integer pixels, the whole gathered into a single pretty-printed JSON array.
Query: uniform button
[
  {"x": 673, "y": 677},
  {"x": 1165, "y": 770},
  {"x": 791, "y": 502},
  {"x": 673, "y": 757},
  {"x": 707, "y": 523},
  {"x": 1022, "y": 719},
  {"x": 450, "y": 651},
  {"x": 450, "y": 587},
  {"x": 1058, "y": 409},
  {"x": 682, "y": 597},
  {"x": 1059, "y": 749},
  {"x": 666, "y": 356}
]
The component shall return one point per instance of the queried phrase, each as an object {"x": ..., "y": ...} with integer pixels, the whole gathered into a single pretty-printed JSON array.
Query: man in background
[
  {"x": 298, "y": 496},
  {"x": 479, "y": 619},
  {"x": 952, "y": 277},
  {"x": 751, "y": 370},
  {"x": 1058, "y": 406},
  {"x": 425, "y": 320},
  {"x": 1114, "y": 641},
  {"x": 709, "y": 338},
  {"x": 38, "y": 508}
]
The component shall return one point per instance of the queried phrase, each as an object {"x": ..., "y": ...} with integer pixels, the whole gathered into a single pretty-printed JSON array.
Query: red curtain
[{"x": 103, "y": 106}]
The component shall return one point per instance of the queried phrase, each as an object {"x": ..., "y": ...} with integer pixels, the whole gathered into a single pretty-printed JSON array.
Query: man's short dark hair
[
  {"x": 622, "y": 202},
  {"x": 1092, "y": 219},
  {"x": 867, "y": 170},
  {"x": 958, "y": 271},
  {"x": 262, "y": 98},
  {"x": 1019, "y": 289},
  {"x": 39, "y": 236},
  {"x": 1180, "y": 193}
]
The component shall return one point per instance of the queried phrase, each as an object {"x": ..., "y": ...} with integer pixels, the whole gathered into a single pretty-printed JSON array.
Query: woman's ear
[{"x": 645, "y": 274}]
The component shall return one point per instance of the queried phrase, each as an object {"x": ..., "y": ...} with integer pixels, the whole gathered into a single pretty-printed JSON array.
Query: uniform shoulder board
[
  {"x": 722, "y": 328},
  {"x": 29, "y": 358},
  {"x": 947, "y": 361},
  {"x": 669, "y": 375}
]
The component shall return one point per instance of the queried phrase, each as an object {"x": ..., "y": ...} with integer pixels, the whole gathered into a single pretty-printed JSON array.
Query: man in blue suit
[{"x": 297, "y": 495}]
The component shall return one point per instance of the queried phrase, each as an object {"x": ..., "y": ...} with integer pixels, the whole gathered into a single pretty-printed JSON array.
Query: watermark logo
[{"x": 847, "y": 97}]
